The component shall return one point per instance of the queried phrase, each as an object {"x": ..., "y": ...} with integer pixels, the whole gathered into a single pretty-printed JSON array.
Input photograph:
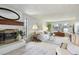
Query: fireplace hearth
[{"x": 8, "y": 36}]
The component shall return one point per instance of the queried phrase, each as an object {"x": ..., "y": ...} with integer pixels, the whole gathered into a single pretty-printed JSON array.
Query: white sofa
[
  {"x": 71, "y": 50},
  {"x": 40, "y": 48},
  {"x": 61, "y": 51}
]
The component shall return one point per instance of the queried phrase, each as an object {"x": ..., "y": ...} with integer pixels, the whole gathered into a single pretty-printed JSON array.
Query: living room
[{"x": 37, "y": 29}]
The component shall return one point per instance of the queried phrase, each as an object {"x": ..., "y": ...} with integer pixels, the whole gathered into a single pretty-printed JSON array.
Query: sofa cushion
[
  {"x": 72, "y": 48},
  {"x": 61, "y": 51}
]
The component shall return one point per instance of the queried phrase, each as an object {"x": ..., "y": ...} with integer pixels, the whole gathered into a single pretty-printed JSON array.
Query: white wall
[
  {"x": 30, "y": 22},
  {"x": 10, "y": 27}
]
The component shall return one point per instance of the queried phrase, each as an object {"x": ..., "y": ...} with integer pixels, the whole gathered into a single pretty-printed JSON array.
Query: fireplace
[{"x": 8, "y": 36}]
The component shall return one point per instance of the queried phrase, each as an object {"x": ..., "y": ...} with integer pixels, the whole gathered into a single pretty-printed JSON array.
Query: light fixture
[
  {"x": 45, "y": 28},
  {"x": 34, "y": 27}
]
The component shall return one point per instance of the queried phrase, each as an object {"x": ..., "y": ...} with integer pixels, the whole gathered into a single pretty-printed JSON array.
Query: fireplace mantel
[{"x": 11, "y": 22}]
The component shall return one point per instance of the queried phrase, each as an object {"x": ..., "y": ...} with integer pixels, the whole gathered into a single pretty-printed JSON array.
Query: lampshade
[
  {"x": 45, "y": 28},
  {"x": 34, "y": 27}
]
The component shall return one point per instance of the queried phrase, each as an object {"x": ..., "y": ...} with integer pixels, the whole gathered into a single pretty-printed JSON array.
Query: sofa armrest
[{"x": 61, "y": 51}]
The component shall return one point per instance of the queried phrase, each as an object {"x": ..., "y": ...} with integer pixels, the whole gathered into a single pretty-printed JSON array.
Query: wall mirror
[{"x": 8, "y": 14}]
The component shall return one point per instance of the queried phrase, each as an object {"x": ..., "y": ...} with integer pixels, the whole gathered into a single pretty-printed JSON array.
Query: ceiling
[{"x": 49, "y": 11}]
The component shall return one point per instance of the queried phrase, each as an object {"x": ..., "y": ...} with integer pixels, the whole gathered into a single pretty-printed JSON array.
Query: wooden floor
[{"x": 19, "y": 51}]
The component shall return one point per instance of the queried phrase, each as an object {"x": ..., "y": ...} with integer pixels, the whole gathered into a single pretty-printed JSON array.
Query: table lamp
[
  {"x": 45, "y": 28},
  {"x": 35, "y": 27}
]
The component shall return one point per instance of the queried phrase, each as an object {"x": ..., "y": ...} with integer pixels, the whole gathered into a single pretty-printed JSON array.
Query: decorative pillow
[
  {"x": 73, "y": 48},
  {"x": 52, "y": 38},
  {"x": 44, "y": 37}
]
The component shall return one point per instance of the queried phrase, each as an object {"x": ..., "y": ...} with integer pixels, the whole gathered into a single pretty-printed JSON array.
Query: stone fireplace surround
[{"x": 8, "y": 36}]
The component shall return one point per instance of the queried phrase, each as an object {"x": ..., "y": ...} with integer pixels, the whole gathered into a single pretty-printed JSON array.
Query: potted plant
[
  {"x": 19, "y": 35},
  {"x": 49, "y": 26}
]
